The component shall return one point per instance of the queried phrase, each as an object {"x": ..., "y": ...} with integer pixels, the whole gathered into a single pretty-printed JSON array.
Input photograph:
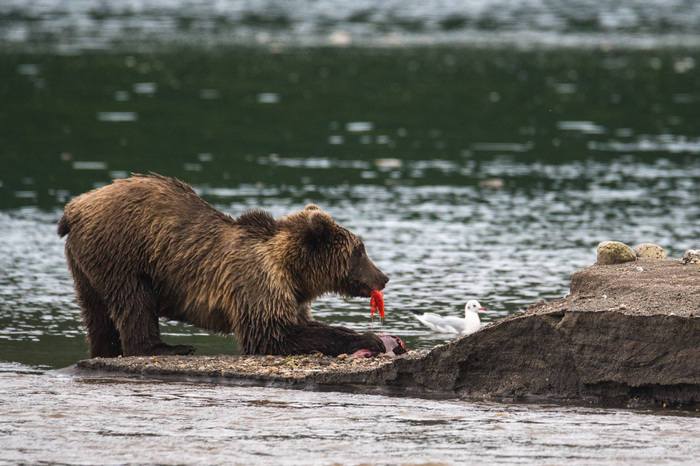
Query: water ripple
[
  {"x": 68, "y": 419},
  {"x": 441, "y": 245}
]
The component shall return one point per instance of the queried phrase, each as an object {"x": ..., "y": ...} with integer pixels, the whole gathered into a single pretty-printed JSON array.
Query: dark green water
[
  {"x": 202, "y": 115},
  {"x": 470, "y": 173}
]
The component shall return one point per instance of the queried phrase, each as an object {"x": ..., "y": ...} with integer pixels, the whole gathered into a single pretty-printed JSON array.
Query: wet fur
[{"x": 148, "y": 247}]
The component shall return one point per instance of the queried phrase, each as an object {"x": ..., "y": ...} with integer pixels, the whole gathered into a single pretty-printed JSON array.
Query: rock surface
[
  {"x": 614, "y": 252},
  {"x": 691, "y": 256},
  {"x": 627, "y": 335},
  {"x": 650, "y": 251}
]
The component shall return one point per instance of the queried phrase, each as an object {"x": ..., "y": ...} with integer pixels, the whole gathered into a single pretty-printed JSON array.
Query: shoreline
[{"x": 627, "y": 335}]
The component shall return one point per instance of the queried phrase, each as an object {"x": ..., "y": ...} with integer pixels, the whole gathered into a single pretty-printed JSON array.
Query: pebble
[{"x": 691, "y": 256}]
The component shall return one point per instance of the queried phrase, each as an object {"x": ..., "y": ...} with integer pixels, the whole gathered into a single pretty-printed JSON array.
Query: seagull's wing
[
  {"x": 454, "y": 324},
  {"x": 441, "y": 324},
  {"x": 430, "y": 320}
]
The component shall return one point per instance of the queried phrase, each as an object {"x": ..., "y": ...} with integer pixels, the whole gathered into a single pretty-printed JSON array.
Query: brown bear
[{"x": 148, "y": 247}]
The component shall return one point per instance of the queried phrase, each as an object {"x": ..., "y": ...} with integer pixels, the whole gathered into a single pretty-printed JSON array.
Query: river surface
[
  {"x": 148, "y": 24},
  {"x": 59, "y": 419},
  {"x": 480, "y": 151}
]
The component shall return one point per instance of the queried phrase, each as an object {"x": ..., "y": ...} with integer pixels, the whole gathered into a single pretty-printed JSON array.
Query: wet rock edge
[{"x": 627, "y": 335}]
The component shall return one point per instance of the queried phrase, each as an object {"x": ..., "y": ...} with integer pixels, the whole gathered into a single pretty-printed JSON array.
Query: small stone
[
  {"x": 691, "y": 256},
  {"x": 343, "y": 356},
  {"x": 650, "y": 251},
  {"x": 614, "y": 252}
]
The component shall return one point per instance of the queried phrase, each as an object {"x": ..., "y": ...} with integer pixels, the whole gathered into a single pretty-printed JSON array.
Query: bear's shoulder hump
[{"x": 257, "y": 219}]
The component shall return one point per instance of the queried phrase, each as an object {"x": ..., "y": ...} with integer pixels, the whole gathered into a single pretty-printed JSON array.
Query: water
[
  {"x": 61, "y": 419},
  {"x": 97, "y": 25},
  {"x": 481, "y": 151},
  {"x": 507, "y": 247}
]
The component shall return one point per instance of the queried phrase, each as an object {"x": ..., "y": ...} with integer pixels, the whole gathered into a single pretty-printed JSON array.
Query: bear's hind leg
[
  {"x": 136, "y": 319},
  {"x": 102, "y": 335}
]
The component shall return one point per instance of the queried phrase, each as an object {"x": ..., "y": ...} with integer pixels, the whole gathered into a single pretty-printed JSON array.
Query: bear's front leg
[{"x": 331, "y": 341}]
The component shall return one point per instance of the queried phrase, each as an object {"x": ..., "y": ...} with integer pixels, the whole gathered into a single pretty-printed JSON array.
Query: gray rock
[
  {"x": 691, "y": 256},
  {"x": 621, "y": 336},
  {"x": 614, "y": 252},
  {"x": 650, "y": 251}
]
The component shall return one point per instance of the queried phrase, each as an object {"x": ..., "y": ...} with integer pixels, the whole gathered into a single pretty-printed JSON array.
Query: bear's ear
[
  {"x": 312, "y": 207},
  {"x": 320, "y": 224}
]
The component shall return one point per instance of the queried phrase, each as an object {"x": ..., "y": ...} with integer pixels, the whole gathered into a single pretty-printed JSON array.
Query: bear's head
[{"x": 325, "y": 257}]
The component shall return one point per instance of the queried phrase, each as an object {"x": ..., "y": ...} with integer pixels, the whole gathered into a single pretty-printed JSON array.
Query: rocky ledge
[{"x": 627, "y": 335}]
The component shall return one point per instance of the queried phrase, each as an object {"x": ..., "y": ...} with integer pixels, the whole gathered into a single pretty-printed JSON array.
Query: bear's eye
[{"x": 359, "y": 250}]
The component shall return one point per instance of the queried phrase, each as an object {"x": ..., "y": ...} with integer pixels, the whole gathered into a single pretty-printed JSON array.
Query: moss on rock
[{"x": 614, "y": 252}]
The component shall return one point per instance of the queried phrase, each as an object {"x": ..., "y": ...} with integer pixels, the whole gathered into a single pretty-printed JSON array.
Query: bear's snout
[{"x": 382, "y": 281}]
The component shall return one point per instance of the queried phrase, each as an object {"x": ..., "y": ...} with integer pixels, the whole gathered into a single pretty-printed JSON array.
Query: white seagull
[{"x": 457, "y": 325}]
